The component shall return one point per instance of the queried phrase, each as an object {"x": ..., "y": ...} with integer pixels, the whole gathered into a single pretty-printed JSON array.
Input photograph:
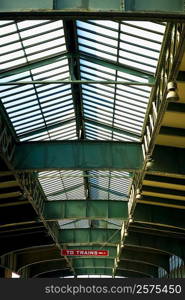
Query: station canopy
[{"x": 53, "y": 63}]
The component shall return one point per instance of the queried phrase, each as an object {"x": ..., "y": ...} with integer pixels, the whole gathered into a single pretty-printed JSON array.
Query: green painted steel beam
[
  {"x": 155, "y": 259},
  {"x": 162, "y": 216},
  {"x": 93, "y": 5},
  {"x": 138, "y": 267},
  {"x": 93, "y": 271},
  {"x": 164, "y": 244},
  {"x": 93, "y": 263},
  {"x": 85, "y": 209},
  {"x": 157, "y": 5},
  {"x": 78, "y": 155},
  {"x": 89, "y": 236},
  {"x": 168, "y": 160}
]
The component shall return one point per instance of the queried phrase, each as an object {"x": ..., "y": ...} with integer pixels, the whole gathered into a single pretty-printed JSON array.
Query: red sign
[{"x": 71, "y": 252}]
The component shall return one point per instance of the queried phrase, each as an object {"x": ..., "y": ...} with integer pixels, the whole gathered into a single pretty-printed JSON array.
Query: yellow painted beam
[
  {"x": 6, "y": 184},
  {"x": 161, "y": 204},
  {"x": 167, "y": 196},
  {"x": 174, "y": 119},
  {"x": 164, "y": 185},
  {"x": 172, "y": 141},
  {"x": 10, "y": 195}
]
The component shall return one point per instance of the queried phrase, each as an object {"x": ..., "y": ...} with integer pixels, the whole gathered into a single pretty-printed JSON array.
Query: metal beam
[
  {"x": 157, "y": 201},
  {"x": 170, "y": 193},
  {"x": 29, "y": 257},
  {"x": 169, "y": 217},
  {"x": 152, "y": 271},
  {"x": 167, "y": 245},
  {"x": 155, "y": 259},
  {"x": 49, "y": 127},
  {"x": 46, "y": 266},
  {"x": 55, "y": 274},
  {"x": 33, "y": 65},
  {"x": 70, "y": 31},
  {"x": 6, "y": 83},
  {"x": 117, "y": 66},
  {"x": 114, "y": 129},
  {"x": 79, "y": 155},
  {"x": 93, "y": 5},
  {"x": 89, "y": 236},
  {"x": 157, "y": 230},
  {"x": 85, "y": 209},
  {"x": 14, "y": 216},
  {"x": 66, "y": 190},
  {"x": 93, "y": 263}
]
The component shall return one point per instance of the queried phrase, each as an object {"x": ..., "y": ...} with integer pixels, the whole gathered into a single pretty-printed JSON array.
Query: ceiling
[{"x": 91, "y": 85}]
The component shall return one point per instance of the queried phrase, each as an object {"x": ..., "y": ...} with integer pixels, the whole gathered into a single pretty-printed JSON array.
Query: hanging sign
[{"x": 84, "y": 252}]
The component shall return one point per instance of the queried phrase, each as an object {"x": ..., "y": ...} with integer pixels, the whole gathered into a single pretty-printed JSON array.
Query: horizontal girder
[
  {"x": 89, "y": 236},
  {"x": 93, "y": 263},
  {"x": 78, "y": 155},
  {"x": 85, "y": 8},
  {"x": 85, "y": 209}
]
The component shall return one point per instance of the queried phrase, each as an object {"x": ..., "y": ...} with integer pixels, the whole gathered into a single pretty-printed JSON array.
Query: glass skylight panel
[
  {"x": 62, "y": 185},
  {"x": 31, "y": 107},
  {"x": 137, "y": 49}
]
